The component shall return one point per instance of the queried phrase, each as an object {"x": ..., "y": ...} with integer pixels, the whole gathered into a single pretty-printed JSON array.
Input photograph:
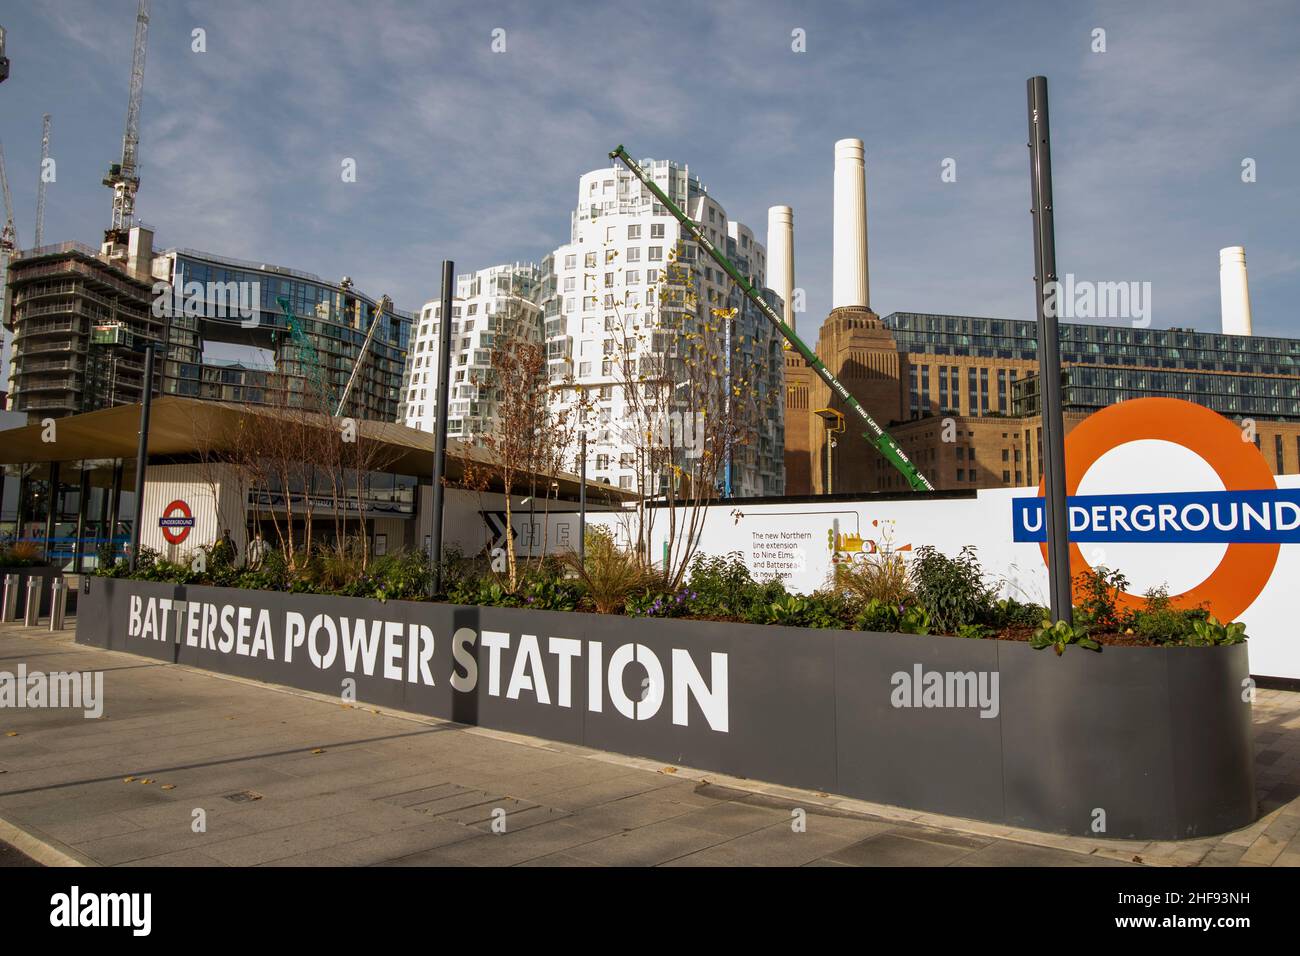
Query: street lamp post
[
  {"x": 1049, "y": 353},
  {"x": 442, "y": 392},
  {"x": 142, "y": 452}
]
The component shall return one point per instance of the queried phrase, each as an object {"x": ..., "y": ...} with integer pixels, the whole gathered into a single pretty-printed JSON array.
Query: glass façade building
[
  {"x": 1235, "y": 375},
  {"x": 228, "y": 302}
]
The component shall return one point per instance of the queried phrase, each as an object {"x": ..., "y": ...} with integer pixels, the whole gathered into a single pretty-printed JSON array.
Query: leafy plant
[
  {"x": 822, "y": 609},
  {"x": 1096, "y": 596},
  {"x": 661, "y": 603},
  {"x": 975, "y": 631},
  {"x": 951, "y": 590},
  {"x": 915, "y": 620},
  {"x": 878, "y": 615},
  {"x": 610, "y": 574},
  {"x": 722, "y": 585},
  {"x": 1060, "y": 635},
  {"x": 1210, "y": 633},
  {"x": 404, "y": 576},
  {"x": 1013, "y": 613},
  {"x": 1159, "y": 621}
]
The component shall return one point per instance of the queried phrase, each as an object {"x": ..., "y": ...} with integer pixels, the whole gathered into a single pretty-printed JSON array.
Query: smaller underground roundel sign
[
  {"x": 176, "y": 522},
  {"x": 1221, "y": 500}
]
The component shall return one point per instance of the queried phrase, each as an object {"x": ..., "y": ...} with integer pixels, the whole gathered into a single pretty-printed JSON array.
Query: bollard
[
  {"x": 58, "y": 603},
  {"x": 32, "y": 613},
  {"x": 9, "y": 606}
]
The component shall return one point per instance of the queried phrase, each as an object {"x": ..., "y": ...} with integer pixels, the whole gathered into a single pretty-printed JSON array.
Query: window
[
  {"x": 602, "y": 462},
  {"x": 571, "y": 261},
  {"x": 634, "y": 231},
  {"x": 634, "y": 254},
  {"x": 656, "y": 230},
  {"x": 656, "y": 254},
  {"x": 590, "y": 260}
]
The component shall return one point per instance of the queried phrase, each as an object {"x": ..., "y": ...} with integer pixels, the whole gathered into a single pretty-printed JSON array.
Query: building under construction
[{"x": 81, "y": 319}]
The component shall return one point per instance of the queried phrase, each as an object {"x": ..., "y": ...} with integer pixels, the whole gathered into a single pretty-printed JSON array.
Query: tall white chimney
[
  {"x": 780, "y": 257},
  {"x": 1234, "y": 292},
  {"x": 849, "y": 275}
]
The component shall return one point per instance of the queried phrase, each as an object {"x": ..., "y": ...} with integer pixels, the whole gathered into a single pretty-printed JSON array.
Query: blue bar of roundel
[{"x": 1272, "y": 503}]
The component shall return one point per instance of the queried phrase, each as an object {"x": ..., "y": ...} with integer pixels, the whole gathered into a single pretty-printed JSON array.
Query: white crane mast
[
  {"x": 40, "y": 187},
  {"x": 8, "y": 235},
  {"x": 123, "y": 178}
]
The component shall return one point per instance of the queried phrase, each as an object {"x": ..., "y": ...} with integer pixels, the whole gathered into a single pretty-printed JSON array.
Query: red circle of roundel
[
  {"x": 1246, "y": 566},
  {"x": 175, "y": 534}
]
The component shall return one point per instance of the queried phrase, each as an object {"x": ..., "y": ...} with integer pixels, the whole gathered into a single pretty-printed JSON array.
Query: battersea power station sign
[
  {"x": 513, "y": 666},
  {"x": 933, "y": 723}
]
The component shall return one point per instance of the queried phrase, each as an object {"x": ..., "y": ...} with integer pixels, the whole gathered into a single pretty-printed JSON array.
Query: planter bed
[{"x": 1151, "y": 743}]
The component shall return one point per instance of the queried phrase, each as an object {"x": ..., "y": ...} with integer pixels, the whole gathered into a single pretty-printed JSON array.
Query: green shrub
[
  {"x": 1012, "y": 613},
  {"x": 1159, "y": 621},
  {"x": 655, "y": 603},
  {"x": 1097, "y": 592},
  {"x": 403, "y": 576},
  {"x": 878, "y": 615},
  {"x": 723, "y": 587},
  {"x": 885, "y": 618},
  {"x": 546, "y": 589},
  {"x": 951, "y": 590},
  {"x": 821, "y": 609}
]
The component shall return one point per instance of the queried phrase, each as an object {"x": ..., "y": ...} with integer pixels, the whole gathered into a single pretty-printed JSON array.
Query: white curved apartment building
[
  {"x": 604, "y": 282},
  {"x": 486, "y": 304}
]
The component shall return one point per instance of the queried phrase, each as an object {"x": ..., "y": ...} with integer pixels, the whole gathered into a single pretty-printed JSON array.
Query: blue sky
[{"x": 472, "y": 155}]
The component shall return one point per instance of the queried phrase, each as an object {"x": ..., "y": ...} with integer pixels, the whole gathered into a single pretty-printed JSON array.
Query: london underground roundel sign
[
  {"x": 176, "y": 522},
  {"x": 1221, "y": 501}
]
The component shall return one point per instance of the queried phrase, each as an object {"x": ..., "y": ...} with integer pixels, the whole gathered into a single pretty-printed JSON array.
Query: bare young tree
[
  {"x": 519, "y": 437},
  {"x": 691, "y": 400}
]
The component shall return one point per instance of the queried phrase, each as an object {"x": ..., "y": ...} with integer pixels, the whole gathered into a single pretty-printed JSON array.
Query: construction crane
[
  {"x": 40, "y": 187},
  {"x": 886, "y": 445},
  {"x": 123, "y": 178},
  {"x": 307, "y": 356},
  {"x": 385, "y": 303},
  {"x": 8, "y": 235}
]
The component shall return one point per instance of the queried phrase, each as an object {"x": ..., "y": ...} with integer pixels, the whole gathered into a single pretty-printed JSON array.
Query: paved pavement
[{"x": 190, "y": 768}]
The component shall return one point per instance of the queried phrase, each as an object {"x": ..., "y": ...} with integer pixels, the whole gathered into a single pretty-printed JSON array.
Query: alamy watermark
[
  {"x": 946, "y": 689},
  {"x": 1084, "y": 299},
  {"x": 57, "y": 689},
  {"x": 212, "y": 300}
]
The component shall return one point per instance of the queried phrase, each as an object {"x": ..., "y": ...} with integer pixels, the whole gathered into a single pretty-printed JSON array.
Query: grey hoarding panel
[
  {"x": 1157, "y": 739},
  {"x": 946, "y": 759}
]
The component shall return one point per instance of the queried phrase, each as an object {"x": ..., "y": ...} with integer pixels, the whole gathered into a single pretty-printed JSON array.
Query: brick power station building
[{"x": 960, "y": 393}]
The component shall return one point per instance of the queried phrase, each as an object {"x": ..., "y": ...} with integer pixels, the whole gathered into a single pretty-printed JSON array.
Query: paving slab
[{"x": 397, "y": 789}]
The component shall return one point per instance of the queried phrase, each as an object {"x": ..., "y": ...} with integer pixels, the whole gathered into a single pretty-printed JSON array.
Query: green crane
[
  {"x": 874, "y": 433},
  {"x": 308, "y": 358}
]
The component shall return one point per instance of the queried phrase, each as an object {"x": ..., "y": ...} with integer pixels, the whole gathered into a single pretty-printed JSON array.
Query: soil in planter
[{"x": 1103, "y": 638}]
